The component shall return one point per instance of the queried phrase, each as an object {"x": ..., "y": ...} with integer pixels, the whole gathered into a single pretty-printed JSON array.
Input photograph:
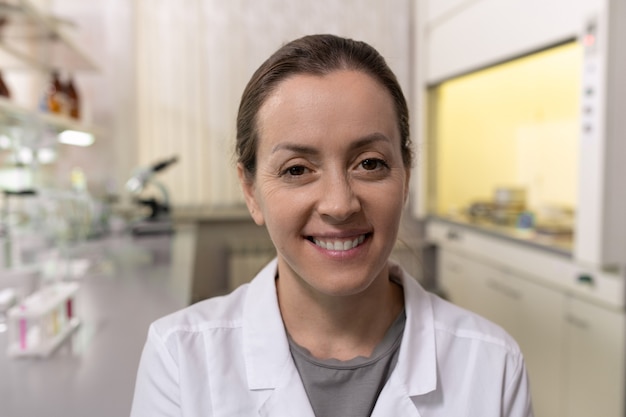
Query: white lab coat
[{"x": 229, "y": 356}]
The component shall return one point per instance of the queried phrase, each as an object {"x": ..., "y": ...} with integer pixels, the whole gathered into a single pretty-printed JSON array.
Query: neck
[{"x": 339, "y": 327}]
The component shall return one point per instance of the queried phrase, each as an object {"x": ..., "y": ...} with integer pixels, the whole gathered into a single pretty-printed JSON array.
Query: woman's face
[{"x": 330, "y": 182}]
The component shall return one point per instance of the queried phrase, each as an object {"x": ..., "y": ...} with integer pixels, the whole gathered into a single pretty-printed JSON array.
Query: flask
[
  {"x": 4, "y": 90},
  {"x": 72, "y": 98}
]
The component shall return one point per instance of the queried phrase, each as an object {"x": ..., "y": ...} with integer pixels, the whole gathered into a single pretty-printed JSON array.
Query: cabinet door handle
[
  {"x": 577, "y": 322},
  {"x": 504, "y": 290}
]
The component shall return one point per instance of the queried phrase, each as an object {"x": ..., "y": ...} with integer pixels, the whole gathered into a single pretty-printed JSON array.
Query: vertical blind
[{"x": 194, "y": 58}]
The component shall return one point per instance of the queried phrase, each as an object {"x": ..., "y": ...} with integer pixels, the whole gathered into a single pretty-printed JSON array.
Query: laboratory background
[{"x": 120, "y": 203}]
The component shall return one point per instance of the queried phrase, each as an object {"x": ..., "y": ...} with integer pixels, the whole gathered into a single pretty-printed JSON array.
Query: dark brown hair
[{"x": 317, "y": 55}]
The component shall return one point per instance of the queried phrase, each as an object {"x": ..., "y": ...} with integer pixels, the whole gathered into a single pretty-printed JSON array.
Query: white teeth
[{"x": 340, "y": 245}]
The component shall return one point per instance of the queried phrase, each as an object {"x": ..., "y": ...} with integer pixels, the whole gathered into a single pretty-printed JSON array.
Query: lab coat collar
[
  {"x": 268, "y": 359},
  {"x": 417, "y": 361},
  {"x": 266, "y": 348},
  {"x": 270, "y": 369}
]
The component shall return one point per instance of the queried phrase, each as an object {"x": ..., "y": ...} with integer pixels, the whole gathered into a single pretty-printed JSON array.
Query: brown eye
[
  {"x": 296, "y": 170},
  {"x": 371, "y": 164}
]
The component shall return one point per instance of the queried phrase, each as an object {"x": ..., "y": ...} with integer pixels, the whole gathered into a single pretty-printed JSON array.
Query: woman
[{"x": 330, "y": 327}]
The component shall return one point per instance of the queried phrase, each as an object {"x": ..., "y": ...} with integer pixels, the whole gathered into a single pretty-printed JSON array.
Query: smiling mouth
[{"x": 338, "y": 244}]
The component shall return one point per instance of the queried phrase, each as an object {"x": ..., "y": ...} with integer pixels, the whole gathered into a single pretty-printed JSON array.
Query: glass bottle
[
  {"x": 4, "y": 90},
  {"x": 53, "y": 100},
  {"x": 73, "y": 99}
]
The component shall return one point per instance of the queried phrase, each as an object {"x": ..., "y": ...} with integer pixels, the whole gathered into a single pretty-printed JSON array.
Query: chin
[{"x": 344, "y": 284}]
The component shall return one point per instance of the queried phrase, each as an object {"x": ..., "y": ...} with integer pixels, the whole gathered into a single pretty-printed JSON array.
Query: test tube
[
  {"x": 23, "y": 333},
  {"x": 68, "y": 308}
]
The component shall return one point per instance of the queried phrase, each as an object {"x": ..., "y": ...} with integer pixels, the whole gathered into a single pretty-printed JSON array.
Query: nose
[{"x": 337, "y": 200}]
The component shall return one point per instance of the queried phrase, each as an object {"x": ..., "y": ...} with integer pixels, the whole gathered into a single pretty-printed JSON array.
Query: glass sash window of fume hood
[{"x": 503, "y": 145}]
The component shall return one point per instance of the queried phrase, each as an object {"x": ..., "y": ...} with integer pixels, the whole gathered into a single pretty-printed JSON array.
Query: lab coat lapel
[
  {"x": 289, "y": 399},
  {"x": 265, "y": 345},
  {"x": 270, "y": 369},
  {"x": 395, "y": 401},
  {"x": 416, "y": 370}
]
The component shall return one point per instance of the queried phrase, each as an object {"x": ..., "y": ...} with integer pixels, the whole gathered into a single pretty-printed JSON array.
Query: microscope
[{"x": 159, "y": 220}]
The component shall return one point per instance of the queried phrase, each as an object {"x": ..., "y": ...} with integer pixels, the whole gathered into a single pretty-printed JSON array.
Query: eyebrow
[{"x": 309, "y": 150}]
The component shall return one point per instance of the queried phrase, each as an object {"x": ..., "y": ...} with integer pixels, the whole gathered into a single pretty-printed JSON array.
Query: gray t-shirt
[{"x": 348, "y": 388}]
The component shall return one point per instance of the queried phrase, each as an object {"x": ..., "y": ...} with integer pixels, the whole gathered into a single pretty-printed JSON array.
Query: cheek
[
  {"x": 282, "y": 207},
  {"x": 386, "y": 205},
  {"x": 390, "y": 212}
]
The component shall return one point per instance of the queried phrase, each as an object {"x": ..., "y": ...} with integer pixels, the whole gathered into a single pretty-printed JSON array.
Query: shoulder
[
  {"x": 472, "y": 348},
  {"x": 186, "y": 338},
  {"x": 471, "y": 358},
  {"x": 454, "y": 322},
  {"x": 215, "y": 318},
  {"x": 213, "y": 313},
  {"x": 450, "y": 322}
]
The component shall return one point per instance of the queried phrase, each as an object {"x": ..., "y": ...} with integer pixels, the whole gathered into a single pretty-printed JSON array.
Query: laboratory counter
[{"x": 126, "y": 284}]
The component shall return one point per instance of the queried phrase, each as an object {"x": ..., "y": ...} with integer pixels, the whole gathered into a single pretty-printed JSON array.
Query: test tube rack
[{"x": 42, "y": 321}]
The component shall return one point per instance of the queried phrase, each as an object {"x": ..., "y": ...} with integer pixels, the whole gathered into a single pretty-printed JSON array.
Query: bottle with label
[
  {"x": 4, "y": 90},
  {"x": 72, "y": 98}
]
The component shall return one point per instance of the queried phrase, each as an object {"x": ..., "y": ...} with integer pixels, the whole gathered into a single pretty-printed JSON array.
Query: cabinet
[
  {"x": 574, "y": 350},
  {"x": 458, "y": 38},
  {"x": 594, "y": 354},
  {"x": 529, "y": 313}
]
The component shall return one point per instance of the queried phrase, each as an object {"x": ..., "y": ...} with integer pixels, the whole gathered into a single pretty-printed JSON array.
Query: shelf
[
  {"x": 30, "y": 39},
  {"x": 13, "y": 115}
]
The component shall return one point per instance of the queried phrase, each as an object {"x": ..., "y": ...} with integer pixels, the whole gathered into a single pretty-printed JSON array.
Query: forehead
[{"x": 340, "y": 103}]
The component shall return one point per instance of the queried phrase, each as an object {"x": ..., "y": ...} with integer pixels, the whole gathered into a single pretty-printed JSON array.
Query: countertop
[
  {"x": 129, "y": 284},
  {"x": 555, "y": 244}
]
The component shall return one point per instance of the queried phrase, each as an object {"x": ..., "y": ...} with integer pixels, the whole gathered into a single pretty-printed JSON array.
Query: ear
[{"x": 248, "y": 188}]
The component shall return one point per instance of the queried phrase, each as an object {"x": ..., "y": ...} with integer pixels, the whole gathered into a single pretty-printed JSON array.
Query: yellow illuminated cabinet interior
[{"x": 510, "y": 125}]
